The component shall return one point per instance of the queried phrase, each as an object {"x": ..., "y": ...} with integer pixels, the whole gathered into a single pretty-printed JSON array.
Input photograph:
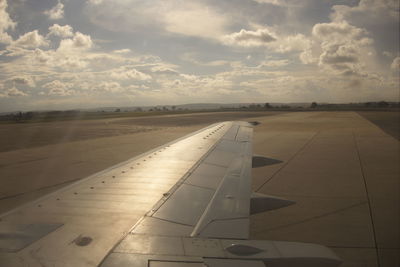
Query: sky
[{"x": 67, "y": 54}]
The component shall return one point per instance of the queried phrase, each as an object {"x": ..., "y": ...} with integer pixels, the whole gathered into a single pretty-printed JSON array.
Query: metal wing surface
[{"x": 183, "y": 204}]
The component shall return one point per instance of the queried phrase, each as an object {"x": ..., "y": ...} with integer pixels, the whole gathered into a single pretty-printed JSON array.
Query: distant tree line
[
  {"x": 38, "y": 115},
  {"x": 362, "y": 105},
  {"x": 73, "y": 114}
]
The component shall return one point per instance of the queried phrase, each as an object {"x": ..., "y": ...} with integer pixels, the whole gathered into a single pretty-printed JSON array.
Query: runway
[{"x": 341, "y": 170}]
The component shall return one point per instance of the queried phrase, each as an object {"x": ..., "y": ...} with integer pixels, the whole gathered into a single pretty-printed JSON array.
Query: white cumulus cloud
[
  {"x": 31, "y": 40},
  {"x": 23, "y": 80},
  {"x": 61, "y": 31},
  {"x": 56, "y": 12},
  {"x": 122, "y": 51},
  {"x": 339, "y": 47},
  {"x": 127, "y": 73},
  {"x": 366, "y": 10},
  {"x": 337, "y": 31},
  {"x": 12, "y": 92},
  {"x": 111, "y": 87},
  {"x": 80, "y": 41},
  {"x": 6, "y": 23},
  {"x": 59, "y": 88},
  {"x": 279, "y": 43},
  {"x": 259, "y": 37},
  {"x": 395, "y": 64},
  {"x": 289, "y": 43}
]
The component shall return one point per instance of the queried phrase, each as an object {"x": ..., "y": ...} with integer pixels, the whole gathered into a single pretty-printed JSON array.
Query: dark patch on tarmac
[{"x": 388, "y": 121}]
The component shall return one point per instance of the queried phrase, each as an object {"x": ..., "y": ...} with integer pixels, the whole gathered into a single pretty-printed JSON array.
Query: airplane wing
[{"x": 186, "y": 203}]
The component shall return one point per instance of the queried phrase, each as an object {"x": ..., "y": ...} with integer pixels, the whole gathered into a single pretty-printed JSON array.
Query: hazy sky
[{"x": 76, "y": 53}]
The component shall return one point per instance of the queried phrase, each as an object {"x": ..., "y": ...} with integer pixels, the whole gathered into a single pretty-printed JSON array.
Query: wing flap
[
  {"x": 185, "y": 205},
  {"x": 207, "y": 175},
  {"x": 229, "y": 203}
]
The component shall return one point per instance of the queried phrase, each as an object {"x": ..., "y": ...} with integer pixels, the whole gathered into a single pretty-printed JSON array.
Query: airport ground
[{"x": 341, "y": 168}]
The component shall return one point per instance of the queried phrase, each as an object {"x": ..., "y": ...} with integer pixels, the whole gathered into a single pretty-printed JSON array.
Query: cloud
[
  {"x": 274, "y": 2},
  {"x": 387, "y": 54},
  {"x": 58, "y": 88},
  {"x": 6, "y": 23},
  {"x": 308, "y": 57},
  {"x": 30, "y": 40},
  {"x": 56, "y": 84},
  {"x": 61, "y": 31},
  {"x": 289, "y": 43},
  {"x": 381, "y": 18},
  {"x": 337, "y": 54},
  {"x": 189, "y": 18},
  {"x": 23, "y": 80},
  {"x": 337, "y": 31},
  {"x": 12, "y": 92},
  {"x": 56, "y": 12},
  {"x": 274, "y": 63},
  {"x": 50, "y": 61},
  {"x": 339, "y": 47},
  {"x": 112, "y": 87},
  {"x": 71, "y": 54},
  {"x": 247, "y": 38},
  {"x": 269, "y": 39},
  {"x": 128, "y": 73},
  {"x": 195, "y": 19},
  {"x": 122, "y": 51},
  {"x": 41, "y": 56},
  {"x": 395, "y": 64},
  {"x": 95, "y": 2},
  {"x": 80, "y": 41},
  {"x": 61, "y": 92},
  {"x": 193, "y": 58},
  {"x": 69, "y": 62},
  {"x": 165, "y": 70},
  {"x": 367, "y": 9}
]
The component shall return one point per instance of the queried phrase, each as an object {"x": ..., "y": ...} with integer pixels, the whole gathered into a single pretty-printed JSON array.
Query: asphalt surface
[
  {"x": 388, "y": 121},
  {"x": 343, "y": 173}
]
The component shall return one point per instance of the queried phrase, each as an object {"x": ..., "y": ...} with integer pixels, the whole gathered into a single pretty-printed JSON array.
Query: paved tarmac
[
  {"x": 341, "y": 169},
  {"x": 343, "y": 172}
]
